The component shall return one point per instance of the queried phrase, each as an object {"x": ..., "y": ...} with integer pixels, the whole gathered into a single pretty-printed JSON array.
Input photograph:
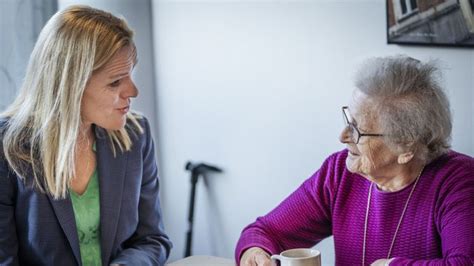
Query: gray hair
[{"x": 411, "y": 107}]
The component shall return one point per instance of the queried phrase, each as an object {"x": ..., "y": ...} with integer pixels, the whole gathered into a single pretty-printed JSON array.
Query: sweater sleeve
[
  {"x": 455, "y": 219},
  {"x": 301, "y": 220}
]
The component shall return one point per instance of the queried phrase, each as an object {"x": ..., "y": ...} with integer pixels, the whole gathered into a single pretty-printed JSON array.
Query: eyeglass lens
[{"x": 352, "y": 129}]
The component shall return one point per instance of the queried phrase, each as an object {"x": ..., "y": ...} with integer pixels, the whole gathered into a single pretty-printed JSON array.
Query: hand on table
[
  {"x": 255, "y": 257},
  {"x": 381, "y": 262}
]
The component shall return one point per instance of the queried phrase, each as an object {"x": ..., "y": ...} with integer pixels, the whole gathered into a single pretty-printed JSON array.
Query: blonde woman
[{"x": 78, "y": 177}]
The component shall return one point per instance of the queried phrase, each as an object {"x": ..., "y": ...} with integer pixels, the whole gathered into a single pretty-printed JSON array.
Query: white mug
[{"x": 299, "y": 257}]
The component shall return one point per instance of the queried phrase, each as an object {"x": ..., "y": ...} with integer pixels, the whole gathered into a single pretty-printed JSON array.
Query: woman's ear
[
  {"x": 408, "y": 153},
  {"x": 405, "y": 157}
]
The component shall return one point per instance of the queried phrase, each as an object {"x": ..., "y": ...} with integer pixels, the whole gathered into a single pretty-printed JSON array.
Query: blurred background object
[
  {"x": 196, "y": 170},
  {"x": 21, "y": 22}
]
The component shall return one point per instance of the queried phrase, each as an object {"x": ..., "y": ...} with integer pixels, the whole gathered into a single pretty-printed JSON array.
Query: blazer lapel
[
  {"x": 65, "y": 214},
  {"x": 111, "y": 177}
]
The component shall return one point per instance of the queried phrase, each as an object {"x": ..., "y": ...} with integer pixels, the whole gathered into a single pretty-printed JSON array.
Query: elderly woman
[
  {"x": 78, "y": 177},
  {"x": 396, "y": 195}
]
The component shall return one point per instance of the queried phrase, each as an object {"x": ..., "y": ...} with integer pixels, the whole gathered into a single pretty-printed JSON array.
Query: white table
[{"x": 199, "y": 260}]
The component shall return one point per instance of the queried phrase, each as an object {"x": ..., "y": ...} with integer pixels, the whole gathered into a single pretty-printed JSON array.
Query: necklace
[{"x": 399, "y": 221}]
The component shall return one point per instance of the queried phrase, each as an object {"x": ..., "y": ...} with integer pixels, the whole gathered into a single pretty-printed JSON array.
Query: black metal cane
[{"x": 196, "y": 170}]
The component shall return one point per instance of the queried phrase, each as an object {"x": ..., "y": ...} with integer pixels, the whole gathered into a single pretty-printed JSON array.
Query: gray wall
[
  {"x": 256, "y": 87},
  {"x": 20, "y": 25}
]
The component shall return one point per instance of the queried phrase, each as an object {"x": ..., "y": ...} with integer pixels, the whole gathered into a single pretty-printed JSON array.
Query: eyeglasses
[{"x": 353, "y": 130}]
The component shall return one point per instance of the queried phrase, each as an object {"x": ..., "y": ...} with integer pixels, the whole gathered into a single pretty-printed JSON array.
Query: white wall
[{"x": 256, "y": 88}]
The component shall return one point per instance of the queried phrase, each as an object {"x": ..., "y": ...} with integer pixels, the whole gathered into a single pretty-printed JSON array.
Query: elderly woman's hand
[
  {"x": 255, "y": 257},
  {"x": 381, "y": 262}
]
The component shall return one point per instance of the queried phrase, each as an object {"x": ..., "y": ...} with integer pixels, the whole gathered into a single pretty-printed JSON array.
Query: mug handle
[{"x": 275, "y": 257}]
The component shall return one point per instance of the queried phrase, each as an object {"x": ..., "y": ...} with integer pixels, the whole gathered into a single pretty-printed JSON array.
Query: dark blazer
[{"x": 35, "y": 229}]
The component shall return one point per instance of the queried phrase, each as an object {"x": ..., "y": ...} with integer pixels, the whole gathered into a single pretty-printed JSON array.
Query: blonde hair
[{"x": 43, "y": 122}]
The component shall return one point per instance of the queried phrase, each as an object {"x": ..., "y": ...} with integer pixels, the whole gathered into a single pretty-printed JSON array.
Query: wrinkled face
[
  {"x": 106, "y": 99},
  {"x": 371, "y": 157}
]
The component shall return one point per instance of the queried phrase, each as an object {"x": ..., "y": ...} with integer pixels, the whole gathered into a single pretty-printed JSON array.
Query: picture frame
[{"x": 430, "y": 22}]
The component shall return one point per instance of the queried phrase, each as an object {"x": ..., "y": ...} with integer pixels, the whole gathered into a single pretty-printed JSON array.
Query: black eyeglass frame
[{"x": 354, "y": 129}]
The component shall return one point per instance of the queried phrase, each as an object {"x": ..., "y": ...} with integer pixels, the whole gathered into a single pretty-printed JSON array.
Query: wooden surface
[{"x": 203, "y": 261}]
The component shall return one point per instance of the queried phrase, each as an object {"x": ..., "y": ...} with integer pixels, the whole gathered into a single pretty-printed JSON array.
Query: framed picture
[{"x": 431, "y": 22}]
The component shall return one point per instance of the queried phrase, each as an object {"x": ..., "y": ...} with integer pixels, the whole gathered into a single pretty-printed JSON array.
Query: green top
[{"x": 87, "y": 213}]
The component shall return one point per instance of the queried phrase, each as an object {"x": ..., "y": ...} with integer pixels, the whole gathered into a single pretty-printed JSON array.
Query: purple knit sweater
[{"x": 437, "y": 229}]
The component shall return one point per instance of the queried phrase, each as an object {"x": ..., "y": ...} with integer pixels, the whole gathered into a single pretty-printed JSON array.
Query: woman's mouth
[{"x": 124, "y": 110}]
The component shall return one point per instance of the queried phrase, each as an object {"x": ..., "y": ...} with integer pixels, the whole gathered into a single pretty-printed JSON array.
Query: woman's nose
[
  {"x": 130, "y": 91},
  {"x": 345, "y": 136}
]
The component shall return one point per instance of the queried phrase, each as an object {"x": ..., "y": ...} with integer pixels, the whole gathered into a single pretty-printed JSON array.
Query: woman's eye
[{"x": 115, "y": 83}]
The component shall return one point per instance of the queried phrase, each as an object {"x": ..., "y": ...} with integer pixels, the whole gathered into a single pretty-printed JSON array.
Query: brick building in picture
[{"x": 446, "y": 22}]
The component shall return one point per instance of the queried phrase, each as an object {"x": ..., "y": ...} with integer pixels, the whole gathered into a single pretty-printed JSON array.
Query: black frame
[{"x": 354, "y": 129}]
